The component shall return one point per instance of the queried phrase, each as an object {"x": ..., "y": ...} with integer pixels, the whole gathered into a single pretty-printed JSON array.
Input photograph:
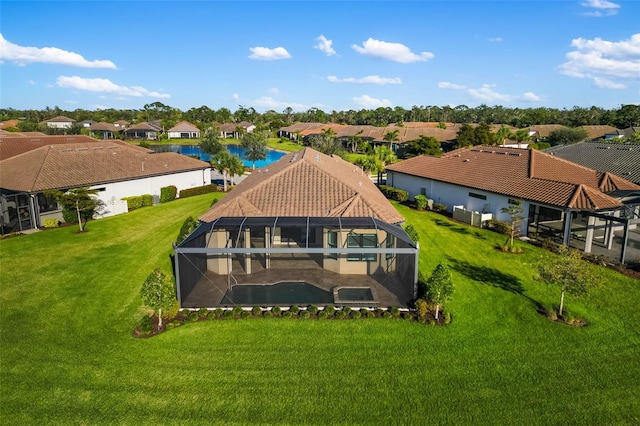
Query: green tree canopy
[
  {"x": 567, "y": 136},
  {"x": 255, "y": 145},
  {"x": 81, "y": 200},
  {"x": 439, "y": 286},
  {"x": 210, "y": 142},
  {"x": 424, "y": 145},
  {"x": 158, "y": 292}
]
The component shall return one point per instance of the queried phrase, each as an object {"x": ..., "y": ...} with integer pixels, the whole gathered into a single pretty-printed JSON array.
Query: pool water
[
  {"x": 355, "y": 294},
  {"x": 194, "y": 150},
  {"x": 283, "y": 293}
]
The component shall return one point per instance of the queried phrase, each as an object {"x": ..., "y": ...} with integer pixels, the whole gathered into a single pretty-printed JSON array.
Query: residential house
[
  {"x": 114, "y": 168},
  {"x": 622, "y": 160},
  {"x": 60, "y": 122},
  {"x": 183, "y": 130},
  {"x": 312, "y": 223},
  {"x": 622, "y": 133},
  {"x": 121, "y": 124},
  {"x": 560, "y": 199},
  {"x": 236, "y": 130},
  {"x": 104, "y": 130},
  {"x": 144, "y": 131}
]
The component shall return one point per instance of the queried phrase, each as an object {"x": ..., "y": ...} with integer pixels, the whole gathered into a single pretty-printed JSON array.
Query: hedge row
[
  {"x": 199, "y": 190},
  {"x": 138, "y": 201},
  {"x": 168, "y": 193},
  {"x": 394, "y": 193}
]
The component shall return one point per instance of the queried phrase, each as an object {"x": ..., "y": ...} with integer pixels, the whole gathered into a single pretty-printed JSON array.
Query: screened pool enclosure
[{"x": 267, "y": 261}]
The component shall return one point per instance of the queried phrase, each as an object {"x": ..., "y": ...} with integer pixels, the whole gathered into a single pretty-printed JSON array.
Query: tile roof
[
  {"x": 600, "y": 131},
  {"x": 103, "y": 127},
  {"x": 68, "y": 165},
  {"x": 144, "y": 126},
  {"x": 521, "y": 173},
  {"x": 306, "y": 183},
  {"x": 20, "y": 143},
  {"x": 620, "y": 159},
  {"x": 60, "y": 119},
  {"x": 184, "y": 126}
]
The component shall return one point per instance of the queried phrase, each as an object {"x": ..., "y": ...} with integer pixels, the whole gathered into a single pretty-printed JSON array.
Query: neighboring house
[
  {"x": 314, "y": 221},
  {"x": 542, "y": 131},
  {"x": 598, "y": 132},
  {"x": 621, "y": 133},
  {"x": 236, "y": 130},
  {"x": 104, "y": 130},
  {"x": 144, "y": 130},
  {"x": 115, "y": 169},
  {"x": 121, "y": 124},
  {"x": 18, "y": 143},
  {"x": 60, "y": 122},
  {"x": 87, "y": 123},
  {"x": 183, "y": 130},
  {"x": 620, "y": 159},
  {"x": 560, "y": 199}
]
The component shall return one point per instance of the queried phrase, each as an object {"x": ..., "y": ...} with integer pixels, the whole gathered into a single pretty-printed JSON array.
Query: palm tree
[
  {"x": 391, "y": 136},
  {"x": 221, "y": 162},
  {"x": 384, "y": 156},
  {"x": 502, "y": 133},
  {"x": 236, "y": 168}
]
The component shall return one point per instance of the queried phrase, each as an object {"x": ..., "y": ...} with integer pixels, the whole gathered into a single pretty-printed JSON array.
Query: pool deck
[{"x": 209, "y": 291}]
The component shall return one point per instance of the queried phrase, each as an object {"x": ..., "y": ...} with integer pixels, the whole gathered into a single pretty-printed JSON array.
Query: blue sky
[{"x": 329, "y": 55}]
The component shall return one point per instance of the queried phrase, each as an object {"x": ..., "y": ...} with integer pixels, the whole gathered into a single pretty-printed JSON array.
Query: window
[
  {"x": 390, "y": 244},
  {"x": 332, "y": 242},
  {"x": 362, "y": 241},
  {"x": 479, "y": 196}
]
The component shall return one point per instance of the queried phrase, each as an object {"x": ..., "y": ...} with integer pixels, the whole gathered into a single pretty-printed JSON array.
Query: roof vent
[
  {"x": 466, "y": 160},
  {"x": 317, "y": 157}
]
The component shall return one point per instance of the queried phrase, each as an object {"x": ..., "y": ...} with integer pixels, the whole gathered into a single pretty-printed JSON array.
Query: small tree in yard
[
  {"x": 567, "y": 271},
  {"x": 439, "y": 287},
  {"x": 188, "y": 226},
  {"x": 514, "y": 210},
  {"x": 158, "y": 293},
  {"x": 81, "y": 200}
]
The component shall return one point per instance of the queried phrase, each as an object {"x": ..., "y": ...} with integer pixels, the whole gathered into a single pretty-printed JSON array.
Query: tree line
[{"x": 203, "y": 116}]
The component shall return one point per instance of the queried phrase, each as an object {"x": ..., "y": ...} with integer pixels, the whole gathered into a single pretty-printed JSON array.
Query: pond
[{"x": 194, "y": 150}]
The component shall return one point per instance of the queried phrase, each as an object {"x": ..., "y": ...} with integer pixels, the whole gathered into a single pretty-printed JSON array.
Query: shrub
[
  {"x": 447, "y": 318},
  {"x": 432, "y": 322},
  {"x": 355, "y": 314},
  {"x": 339, "y": 314},
  {"x": 203, "y": 312},
  {"x": 276, "y": 310},
  {"x": 395, "y": 194},
  {"x": 421, "y": 202},
  {"x": 395, "y": 311},
  {"x": 370, "y": 314},
  {"x": 147, "y": 200},
  {"x": 172, "y": 311},
  {"x": 245, "y": 314},
  {"x": 305, "y": 314},
  {"x": 168, "y": 193},
  {"x": 387, "y": 315},
  {"x": 379, "y": 312},
  {"x": 188, "y": 226},
  {"x": 237, "y": 310},
  {"x": 439, "y": 207},
  {"x": 330, "y": 310},
  {"x": 295, "y": 309},
  {"x": 499, "y": 226},
  {"x": 364, "y": 312},
  {"x": 322, "y": 315},
  {"x": 71, "y": 215},
  {"x": 193, "y": 316},
  {"x": 313, "y": 309},
  {"x": 287, "y": 314},
  {"x": 51, "y": 223},
  {"x": 347, "y": 310},
  {"x": 412, "y": 233},
  {"x": 218, "y": 312},
  {"x": 228, "y": 314},
  {"x": 257, "y": 310},
  {"x": 170, "y": 326},
  {"x": 134, "y": 202},
  {"x": 267, "y": 314},
  {"x": 407, "y": 315},
  {"x": 199, "y": 190},
  {"x": 146, "y": 326},
  {"x": 422, "y": 308}
]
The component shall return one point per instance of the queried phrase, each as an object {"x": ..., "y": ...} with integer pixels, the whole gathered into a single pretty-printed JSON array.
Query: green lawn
[{"x": 69, "y": 302}]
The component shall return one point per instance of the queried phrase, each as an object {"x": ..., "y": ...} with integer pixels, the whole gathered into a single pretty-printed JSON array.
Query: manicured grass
[{"x": 70, "y": 301}]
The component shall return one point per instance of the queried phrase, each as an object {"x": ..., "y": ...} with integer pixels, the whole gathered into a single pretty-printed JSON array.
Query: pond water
[{"x": 194, "y": 150}]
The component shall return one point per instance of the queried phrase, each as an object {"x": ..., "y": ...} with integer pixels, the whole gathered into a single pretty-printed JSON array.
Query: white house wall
[
  {"x": 455, "y": 195},
  {"x": 110, "y": 193}
]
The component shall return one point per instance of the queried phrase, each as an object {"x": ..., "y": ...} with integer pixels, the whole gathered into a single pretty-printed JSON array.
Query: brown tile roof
[
  {"x": 19, "y": 143},
  {"x": 306, "y": 183},
  {"x": 104, "y": 127},
  {"x": 543, "y": 130},
  {"x": 184, "y": 126},
  {"x": 60, "y": 119},
  {"x": 521, "y": 173},
  {"x": 144, "y": 126},
  {"x": 596, "y": 132},
  {"x": 91, "y": 163}
]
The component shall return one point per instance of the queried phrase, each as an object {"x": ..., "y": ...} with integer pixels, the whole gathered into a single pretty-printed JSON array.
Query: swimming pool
[
  {"x": 282, "y": 293},
  {"x": 194, "y": 150}
]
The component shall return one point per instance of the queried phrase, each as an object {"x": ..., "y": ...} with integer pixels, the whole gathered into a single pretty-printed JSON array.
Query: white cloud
[
  {"x": 602, "y": 8},
  {"x": 601, "y": 59},
  {"x": 274, "y": 91},
  {"x": 368, "y": 102},
  {"x": 105, "y": 85},
  {"x": 23, "y": 55},
  {"x": 487, "y": 94},
  {"x": 447, "y": 85},
  {"x": 495, "y": 39},
  {"x": 32, "y": 82},
  {"x": 530, "y": 97},
  {"x": 235, "y": 96},
  {"x": 268, "y": 102},
  {"x": 370, "y": 79},
  {"x": 324, "y": 46},
  {"x": 267, "y": 54},
  {"x": 392, "y": 51},
  {"x": 605, "y": 83}
]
